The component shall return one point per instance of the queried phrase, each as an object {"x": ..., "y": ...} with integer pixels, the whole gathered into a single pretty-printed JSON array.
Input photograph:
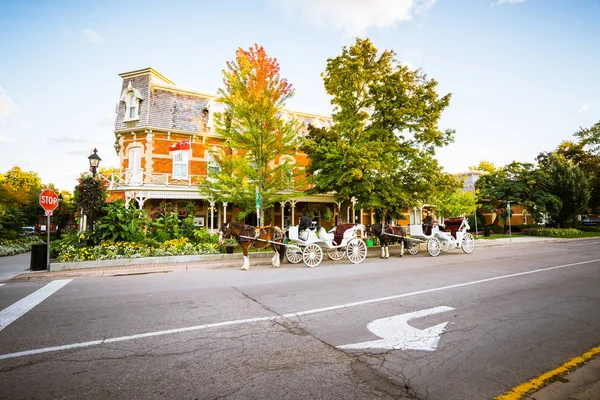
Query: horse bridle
[{"x": 223, "y": 234}]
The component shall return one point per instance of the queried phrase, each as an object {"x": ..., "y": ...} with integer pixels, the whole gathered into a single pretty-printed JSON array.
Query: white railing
[{"x": 140, "y": 178}]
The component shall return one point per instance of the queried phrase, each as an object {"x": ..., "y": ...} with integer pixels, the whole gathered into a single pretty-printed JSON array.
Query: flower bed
[
  {"x": 17, "y": 246},
  {"x": 109, "y": 250}
]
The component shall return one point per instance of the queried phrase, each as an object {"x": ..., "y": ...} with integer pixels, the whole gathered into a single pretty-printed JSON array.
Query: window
[
  {"x": 180, "y": 164},
  {"x": 213, "y": 165},
  {"x": 132, "y": 107},
  {"x": 132, "y": 98}
]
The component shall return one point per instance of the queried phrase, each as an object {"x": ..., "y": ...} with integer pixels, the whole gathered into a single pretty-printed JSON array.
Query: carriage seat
[
  {"x": 339, "y": 233},
  {"x": 453, "y": 225}
]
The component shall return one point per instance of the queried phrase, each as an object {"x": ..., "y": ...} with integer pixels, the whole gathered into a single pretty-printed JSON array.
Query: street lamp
[
  {"x": 94, "y": 159},
  {"x": 94, "y": 162}
]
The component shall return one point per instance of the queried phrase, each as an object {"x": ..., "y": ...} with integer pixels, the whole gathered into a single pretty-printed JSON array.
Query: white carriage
[
  {"x": 453, "y": 235},
  {"x": 339, "y": 240}
]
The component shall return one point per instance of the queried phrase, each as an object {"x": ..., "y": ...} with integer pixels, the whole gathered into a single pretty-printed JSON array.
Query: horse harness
[{"x": 254, "y": 232}]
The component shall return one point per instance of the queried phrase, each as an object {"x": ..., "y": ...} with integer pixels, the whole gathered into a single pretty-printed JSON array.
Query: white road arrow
[{"x": 396, "y": 334}]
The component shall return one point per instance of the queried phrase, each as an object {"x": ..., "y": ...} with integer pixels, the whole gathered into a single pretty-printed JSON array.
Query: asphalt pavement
[{"x": 578, "y": 382}]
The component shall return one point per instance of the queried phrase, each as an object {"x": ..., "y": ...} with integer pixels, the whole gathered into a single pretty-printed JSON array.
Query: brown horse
[
  {"x": 247, "y": 236},
  {"x": 388, "y": 234}
]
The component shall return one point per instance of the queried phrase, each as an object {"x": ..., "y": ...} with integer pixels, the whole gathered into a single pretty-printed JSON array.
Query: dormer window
[{"x": 132, "y": 99}]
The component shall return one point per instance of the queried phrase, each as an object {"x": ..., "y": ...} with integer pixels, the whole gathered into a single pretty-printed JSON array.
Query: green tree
[
  {"x": 588, "y": 162},
  {"x": 519, "y": 183},
  {"x": 458, "y": 203},
  {"x": 21, "y": 189},
  {"x": 485, "y": 166},
  {"x": 380, "y": 149},
  {"x": 253, "y": 127},
  {"x": 569, "y": 184},
  {"x": 590, "y": 138}
]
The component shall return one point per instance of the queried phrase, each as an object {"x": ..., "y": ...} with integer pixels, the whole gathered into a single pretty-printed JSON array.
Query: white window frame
[
  {"x": 181, "y": 158},
  {"x": 212, "y": 164},
  {"x": 132, "y": 106},
  {"x": 132, "y": 98}
]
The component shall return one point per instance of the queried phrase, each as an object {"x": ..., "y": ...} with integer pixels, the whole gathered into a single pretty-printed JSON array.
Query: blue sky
[{"x": 523, "y": 74}]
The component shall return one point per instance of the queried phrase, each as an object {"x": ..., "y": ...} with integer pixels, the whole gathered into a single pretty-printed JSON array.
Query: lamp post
[{"x": 94, "y": 159}]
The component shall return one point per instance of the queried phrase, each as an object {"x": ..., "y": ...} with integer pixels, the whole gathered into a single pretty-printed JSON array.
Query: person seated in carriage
[
  {"x": 427, "y": 223},
  {"x": 303, "y": 226}
]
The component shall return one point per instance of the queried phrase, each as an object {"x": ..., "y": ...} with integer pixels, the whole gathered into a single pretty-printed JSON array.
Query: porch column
[
  {"x": 293, "y": 204},
  {"x": 225, "y": 212},
  {"x": 282, "y": 203},
  {"x": 148, "y": 157},
  {"x": 212, "y": 215}
]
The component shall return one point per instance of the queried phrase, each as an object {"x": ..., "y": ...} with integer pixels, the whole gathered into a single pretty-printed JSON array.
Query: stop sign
[{"x": 48, "y": 200}]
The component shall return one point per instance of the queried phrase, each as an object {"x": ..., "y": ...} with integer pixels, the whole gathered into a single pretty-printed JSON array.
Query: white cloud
[
  {"x": 585, "y": 107},
  {"x": 92, "y": 36},
  {"x": 354, "y": 17},
  {"x": 5, "y": 140}
]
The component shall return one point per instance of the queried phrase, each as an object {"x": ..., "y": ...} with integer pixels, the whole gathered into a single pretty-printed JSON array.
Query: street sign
[
  {"x": 396, "y": 334},
  {"x": 49, "y": 213},
  {"x": 48, "y": 200},
  {"x": 257, "y": 200}
]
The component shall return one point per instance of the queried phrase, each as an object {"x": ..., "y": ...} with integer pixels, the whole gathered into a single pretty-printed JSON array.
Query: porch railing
[{"x": 141, "y": 178}]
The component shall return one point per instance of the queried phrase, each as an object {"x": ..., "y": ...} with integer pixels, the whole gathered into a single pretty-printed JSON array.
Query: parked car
[
  {"x": 590, "y": 221},
  {"x": 28, "y": 231}
]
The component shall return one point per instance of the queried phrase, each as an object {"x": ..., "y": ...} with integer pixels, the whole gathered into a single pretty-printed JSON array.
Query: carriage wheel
[
  {"x": 434, "y": 246},
  {"x": 445, "y": 246},
  {"x": 312, "y": 255},
  {"x": 335, "y": 254},
  {"x": 356, "y": 251},
  {"x": 468, "y": 243},
  {"x": 293, "y": 253},
  {"x": 413, "y": 248}
]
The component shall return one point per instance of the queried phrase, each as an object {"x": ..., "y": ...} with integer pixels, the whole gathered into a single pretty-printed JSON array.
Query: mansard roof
[{"x": 167, "y": 106}]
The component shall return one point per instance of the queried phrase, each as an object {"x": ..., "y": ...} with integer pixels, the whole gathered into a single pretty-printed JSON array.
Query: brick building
[{"x": 164, "y": 138}]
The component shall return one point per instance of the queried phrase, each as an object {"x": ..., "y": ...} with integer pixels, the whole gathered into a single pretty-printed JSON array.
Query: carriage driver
[
  {"x": 427, "y": 222},
  {"x": 303, "y": 226}
]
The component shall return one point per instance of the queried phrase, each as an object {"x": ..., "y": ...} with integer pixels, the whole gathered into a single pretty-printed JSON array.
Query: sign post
[
  {"x": 257, "y": 197},
  {"x": 49, "y": 202},
  {"x": 508, "y": 212}
]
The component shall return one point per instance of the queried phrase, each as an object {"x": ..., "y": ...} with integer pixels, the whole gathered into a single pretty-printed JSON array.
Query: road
[{"x": 500, "y": 316}]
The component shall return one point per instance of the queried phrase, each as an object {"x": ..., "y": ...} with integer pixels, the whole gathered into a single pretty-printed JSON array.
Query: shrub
[
  {"x": 553, "y": 232},
  {"x": 203, "y": 236},
  {"x": 121, "y": 223},
  {"x": 590, "y": 228},
  {"x": 496, "y": 228}
]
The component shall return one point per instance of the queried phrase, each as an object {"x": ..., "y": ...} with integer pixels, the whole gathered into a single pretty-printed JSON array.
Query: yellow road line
[{"x": 534, "y": 384}]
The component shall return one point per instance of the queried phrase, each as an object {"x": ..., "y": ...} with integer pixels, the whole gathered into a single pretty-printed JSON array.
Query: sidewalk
[{"x": 140, "y": 266}]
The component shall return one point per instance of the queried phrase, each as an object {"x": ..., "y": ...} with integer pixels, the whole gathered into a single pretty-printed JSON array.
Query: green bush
[
  {"x": 202, "y": 235},
  {"x": 590, "y": 228},
  {"x": 496, "y": 228},
  {"x": 553, "y": 232},
  {"x": 121, "y": 223}
]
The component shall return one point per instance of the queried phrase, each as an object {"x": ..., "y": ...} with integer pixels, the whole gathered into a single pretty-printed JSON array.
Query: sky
[{"x": 524, "y": 74}]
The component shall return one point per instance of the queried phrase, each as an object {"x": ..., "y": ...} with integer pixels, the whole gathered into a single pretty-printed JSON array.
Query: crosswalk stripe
[{"x": 12, "y": 313}]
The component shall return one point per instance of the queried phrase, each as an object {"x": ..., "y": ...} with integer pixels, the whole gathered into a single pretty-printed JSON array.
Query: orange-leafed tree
[{"x": 255, "y": 128}]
